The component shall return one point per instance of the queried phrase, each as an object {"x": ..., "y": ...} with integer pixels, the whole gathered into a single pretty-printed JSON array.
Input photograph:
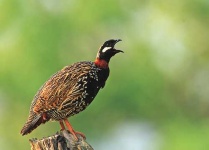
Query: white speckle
[{"x": 105, "y": 49}]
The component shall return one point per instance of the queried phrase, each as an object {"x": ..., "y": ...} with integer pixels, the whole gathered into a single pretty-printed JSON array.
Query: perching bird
[{"x": 70, "y": 90}]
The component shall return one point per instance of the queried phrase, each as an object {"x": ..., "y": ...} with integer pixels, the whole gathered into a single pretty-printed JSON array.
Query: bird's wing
[{"x": 59, "y": 88}]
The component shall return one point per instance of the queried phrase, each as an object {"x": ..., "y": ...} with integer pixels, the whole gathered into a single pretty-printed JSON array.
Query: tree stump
[{"x": 62, "y": 140}]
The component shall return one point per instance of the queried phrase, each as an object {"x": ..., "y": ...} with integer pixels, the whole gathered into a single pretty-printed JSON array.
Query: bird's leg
[
  {"x": 70, "y": 128},
  {"x": 62, "y": 125}
]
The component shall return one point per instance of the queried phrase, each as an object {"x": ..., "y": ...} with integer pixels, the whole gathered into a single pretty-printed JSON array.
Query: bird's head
[{"x": 107, "y": 50}]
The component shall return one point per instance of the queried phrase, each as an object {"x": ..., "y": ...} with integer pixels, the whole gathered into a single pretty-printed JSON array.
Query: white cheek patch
[{"x": 105, "y": 49}]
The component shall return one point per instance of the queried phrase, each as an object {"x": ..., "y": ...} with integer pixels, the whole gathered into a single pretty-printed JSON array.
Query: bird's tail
[{"x": 34, "y": 120}]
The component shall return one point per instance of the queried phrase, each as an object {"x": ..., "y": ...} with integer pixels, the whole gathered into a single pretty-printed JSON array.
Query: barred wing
[{"x": 61, "y": 87}]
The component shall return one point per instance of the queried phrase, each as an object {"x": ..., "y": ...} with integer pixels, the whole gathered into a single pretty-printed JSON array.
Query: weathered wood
[{"x": 62, "y": 140}]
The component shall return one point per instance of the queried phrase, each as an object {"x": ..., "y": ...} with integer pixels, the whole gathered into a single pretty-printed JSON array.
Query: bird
[{"x": 70, "y": 90}]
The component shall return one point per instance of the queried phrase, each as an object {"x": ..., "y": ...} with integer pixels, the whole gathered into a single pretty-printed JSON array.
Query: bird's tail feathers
[{"x": 34, "y": 120}]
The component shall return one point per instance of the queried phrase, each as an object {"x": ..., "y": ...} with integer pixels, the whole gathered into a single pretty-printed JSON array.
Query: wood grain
[{"x": 62, "y": 140}]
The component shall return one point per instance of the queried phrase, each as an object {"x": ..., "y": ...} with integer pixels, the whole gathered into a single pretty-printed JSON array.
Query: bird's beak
[
  {"x": 118, "y": 51},
  {"x": 115, "y": 50},
  {"x": 116, "y": 41}
]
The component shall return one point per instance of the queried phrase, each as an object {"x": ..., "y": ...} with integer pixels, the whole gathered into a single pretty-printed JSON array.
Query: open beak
[{"x": 115, "y": 50}]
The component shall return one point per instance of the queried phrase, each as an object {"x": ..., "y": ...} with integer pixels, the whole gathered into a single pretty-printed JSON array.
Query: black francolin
[{"x": 70, "y": 90}]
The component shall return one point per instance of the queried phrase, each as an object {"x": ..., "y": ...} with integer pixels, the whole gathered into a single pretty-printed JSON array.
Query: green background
[{"x": 161, "y": 82}]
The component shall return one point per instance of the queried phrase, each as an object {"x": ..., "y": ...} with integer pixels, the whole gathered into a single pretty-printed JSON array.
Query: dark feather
[{"x": 33, "y": 122}]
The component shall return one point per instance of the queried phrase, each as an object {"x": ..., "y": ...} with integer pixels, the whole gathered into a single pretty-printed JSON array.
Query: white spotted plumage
[{"x": 70, "y": 90}]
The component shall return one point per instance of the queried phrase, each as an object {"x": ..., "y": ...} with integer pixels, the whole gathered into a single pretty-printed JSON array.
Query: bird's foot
[
  {"x": 76, "y": 133},
  {"x": 72, "y": 131},
  {"x": 81, "y": 134}
]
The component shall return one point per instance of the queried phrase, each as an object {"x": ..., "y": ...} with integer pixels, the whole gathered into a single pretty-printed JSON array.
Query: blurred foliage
[{"x": 162, "y": 78}]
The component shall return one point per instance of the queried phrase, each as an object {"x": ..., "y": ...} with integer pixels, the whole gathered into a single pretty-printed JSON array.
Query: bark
[{"x": 62, "y": 140}]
